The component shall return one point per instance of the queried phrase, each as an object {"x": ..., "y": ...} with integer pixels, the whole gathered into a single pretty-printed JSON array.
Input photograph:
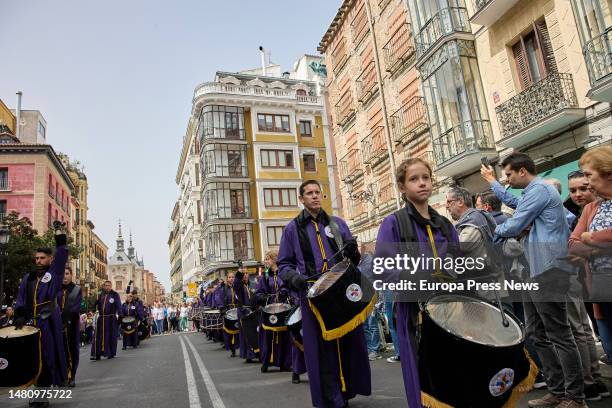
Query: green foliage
[{"x": 20, "y": 251}]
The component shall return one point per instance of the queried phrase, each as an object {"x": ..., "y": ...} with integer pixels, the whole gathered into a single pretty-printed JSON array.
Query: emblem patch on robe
[
  {"x": 129, "y": 327},
  {"x": 501, "y": 382},
  {"x": 237, "y": 325},
  {"x": 3, "y": 363},
  {"x": 328, "y": 231},
  {"x": 273, "y": 319},
  {"x": 46, "y": 277},
  {"x": 133, "y": 307},
  {"x": 111, "y": 300},
  {"x": 354, "y": 292}
]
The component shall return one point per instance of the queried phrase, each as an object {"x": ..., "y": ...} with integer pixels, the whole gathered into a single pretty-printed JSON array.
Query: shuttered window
[{"x": 534, "y": 56}]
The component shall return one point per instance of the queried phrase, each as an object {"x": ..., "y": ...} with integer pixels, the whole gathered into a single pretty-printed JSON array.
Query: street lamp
[
  {"x": 368, "y": 194},
  {"x": 5, "y": 236}
]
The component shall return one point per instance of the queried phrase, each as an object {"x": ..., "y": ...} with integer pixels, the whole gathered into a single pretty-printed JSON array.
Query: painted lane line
[
  {"x": 192, "y": 388},
  {"x": 215, "y": 398}
]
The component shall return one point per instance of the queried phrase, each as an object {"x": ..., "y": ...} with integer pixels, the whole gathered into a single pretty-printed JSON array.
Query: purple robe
[
  {"x": 107, "y": 330},
  {"x": 323, "y": 357},
  {"x": 275, "y": 346},
  {"x": 130, "y": 335},
  {"x": 243, "y": 295},
  {"x": 72, "y": 329},
  {"x": 38, "y": 291},
  {"x": 225, "y": 297},
  {"x": 386, "y": 245}
]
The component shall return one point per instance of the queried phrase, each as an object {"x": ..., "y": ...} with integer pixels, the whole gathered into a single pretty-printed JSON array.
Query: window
[
  {"x": 49, "y": 216},
  {"x": 277, "y": 158},
  {"x": 221, "y": 122},
  {"x": 41, "y": 130},
  {"x": 4, "y": 180},
  {"x": 533, "y": 55},
  {"x": 274, "y": 235},
  {"x": 310, "y": 162},
  {"x": 305, "y": 128},
  {"x": 273, "y": 123},
  {"x": 280, "y": 197}
]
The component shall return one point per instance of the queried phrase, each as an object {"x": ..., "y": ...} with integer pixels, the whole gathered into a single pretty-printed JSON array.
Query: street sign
[{"x": 192, "y": 289}]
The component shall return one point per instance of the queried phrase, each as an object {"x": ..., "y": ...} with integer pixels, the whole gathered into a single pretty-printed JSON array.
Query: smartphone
[{"x": 485, "y": 161}]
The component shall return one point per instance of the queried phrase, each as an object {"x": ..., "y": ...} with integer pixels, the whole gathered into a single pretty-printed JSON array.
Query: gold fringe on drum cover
[
  {"x": 346, "y": 327},
  {"x": 517, "y": 392}
]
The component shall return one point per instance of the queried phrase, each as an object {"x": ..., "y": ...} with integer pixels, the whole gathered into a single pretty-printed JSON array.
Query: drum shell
[
  {"x": 458, "y": 372},
  {"x": 129, "y": 327},
  {"x": 296, "y": 328},
  {"x": 23, "y": 355},
  {"x": 230, "y": 325},
  {"x": 250, "y": 325},
  {"x": 337, "y": 314},
  {"x": 143, "y": 331},
  {"x": 275, "y": 321},
  {"x": 212, "y": 320}
]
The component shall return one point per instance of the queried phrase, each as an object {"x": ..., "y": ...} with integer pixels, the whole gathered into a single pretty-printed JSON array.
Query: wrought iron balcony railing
[
  {"x": 247, "y": 90},
  {"x": 4, "y": 184},
  {"x": 443, "y": 23},
  {"x": 350, "y": 165},
  {"x": 467, "y": 137},
  {"x": 409, "y": 120},
  {"x": 367, "y": 83},
  {"x": 345, "y": 110},
  {"x": 399, "y": 49},
  {"x": 598, "y": 56},
  {"x": 541, "y": 100},
  {"x": 374, "y": 146}
]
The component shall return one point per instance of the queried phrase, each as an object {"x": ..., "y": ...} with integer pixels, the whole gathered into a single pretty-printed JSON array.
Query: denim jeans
[
  {"x": 605, "y": 331},
  {"x": 372, "y": 334},
  {"x": 391, "y": 321},
  {"x": 160, "y": 326}
]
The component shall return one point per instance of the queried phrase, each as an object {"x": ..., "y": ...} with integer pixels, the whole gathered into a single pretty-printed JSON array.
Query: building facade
[
  {"x": 174, "y": 244},
  {"x": 252, "y": 138},
  {"x": 98, "y": 259}
]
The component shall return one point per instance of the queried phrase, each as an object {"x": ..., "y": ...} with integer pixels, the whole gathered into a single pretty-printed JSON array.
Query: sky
[{"x": 114, "y": 80}]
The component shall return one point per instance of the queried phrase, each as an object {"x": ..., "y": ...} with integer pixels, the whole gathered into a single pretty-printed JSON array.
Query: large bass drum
[
  {"x": 294, "y": 325},
  {"x": 341, "y": 299},
  {"x": 20, "y": 356},
  {"x": 231, "y": 323},
  {"x": 143, "y": 330},
  {"x": 250, "y": 326},
  {"x": 274, "y": 316},
  {"x": 467, "y": 358}
]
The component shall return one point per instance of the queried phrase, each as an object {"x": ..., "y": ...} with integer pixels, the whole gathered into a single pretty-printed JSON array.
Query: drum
[
  {"x": 341, "y": 299},
  {"x": 20, "y": 350},
  {"x": 231, "y": 324},
  {"x": 467, "y": 358},
  {"x": 294, "y": 325},
  {"x": 274, "y": 316},
  {"x": 128, "y": 324},
  {"x": 212, "y": 320},
  {"x": 250, "y": 326},
  {"x": 143, "y": 331}
]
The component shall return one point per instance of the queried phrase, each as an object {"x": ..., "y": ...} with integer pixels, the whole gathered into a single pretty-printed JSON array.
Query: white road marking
[
  {"x": 215, "y": 398},
  {"x": 192, "y": 388}
]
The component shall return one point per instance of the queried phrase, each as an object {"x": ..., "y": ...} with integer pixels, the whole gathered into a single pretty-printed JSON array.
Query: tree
[{"x": 20, "y": 251}]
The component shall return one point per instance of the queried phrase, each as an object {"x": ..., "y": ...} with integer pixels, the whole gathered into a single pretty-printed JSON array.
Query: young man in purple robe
[
  {"x": 130, "y": 308},
  {"x": 431, "y": 230},
  {"x": 241, "y": 287},
  {"x": 275, "y": 345},
  {"x": 69, "y": 301},
  {"x": 225, "y": 299},
  {"x": 37, "y": 303},
  {"x": 338, "y": 370},
  {"x": 107, "y": 330}
]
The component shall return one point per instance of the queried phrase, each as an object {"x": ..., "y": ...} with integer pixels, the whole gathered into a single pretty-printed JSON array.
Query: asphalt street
[{"x": 185, "y": 370}]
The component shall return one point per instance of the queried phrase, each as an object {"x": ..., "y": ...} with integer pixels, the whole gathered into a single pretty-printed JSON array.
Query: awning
[{"x": 560, "y": 173}]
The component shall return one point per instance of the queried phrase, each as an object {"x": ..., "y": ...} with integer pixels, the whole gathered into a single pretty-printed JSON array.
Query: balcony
[
  {"x": 399, "y": 49},
  {"x": 339, "y": 56},
  {"x": 360, "y": 27},
  {"x": 374, "y": 146},
  {"x": 487, "y": 12},
  {"x": 367, "y": 84},
  {"x": 345, "y": 111},
  {"x": 350, "y": 165},
  {"x": 5, "y": 185},
  {"x": 212, "y": 88},
  {"x": 2, "y": 217},
  {"x": 409, "y": 120},
  {"x": 459, "y": 149},
  {"x": 544, "y": 107},
  {"x": 451, "y": 22},
  {"x": 598, "y": 57}
]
